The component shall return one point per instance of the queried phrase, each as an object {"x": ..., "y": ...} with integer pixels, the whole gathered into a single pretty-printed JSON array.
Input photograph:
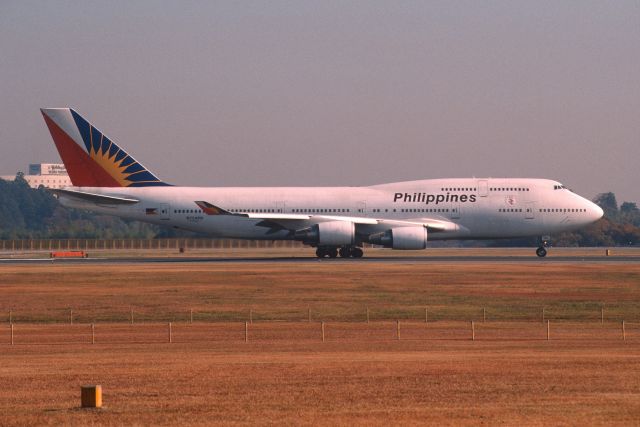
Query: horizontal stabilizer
[{"x": 95, "y": 198}]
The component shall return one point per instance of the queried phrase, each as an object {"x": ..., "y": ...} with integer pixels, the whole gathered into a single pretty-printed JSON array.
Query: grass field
[
  {"x": 332, "y": 291},
  {"x": 285, "y": 374}
]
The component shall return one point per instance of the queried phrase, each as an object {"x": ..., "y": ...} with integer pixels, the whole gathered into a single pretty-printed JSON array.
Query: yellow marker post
[{"x": 91, "y": 396}]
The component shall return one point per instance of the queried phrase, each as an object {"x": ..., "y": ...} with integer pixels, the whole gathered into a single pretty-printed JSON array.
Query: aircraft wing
[
  {"x": 363, "y": 225},
  {"x": 280, "y": 221}
]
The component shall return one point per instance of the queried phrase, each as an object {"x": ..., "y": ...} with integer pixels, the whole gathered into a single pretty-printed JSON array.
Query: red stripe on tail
[{"x": 83, "y": 171}]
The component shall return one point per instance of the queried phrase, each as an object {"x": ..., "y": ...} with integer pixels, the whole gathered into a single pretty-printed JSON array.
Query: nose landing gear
[{"x": 544, "y": 243}]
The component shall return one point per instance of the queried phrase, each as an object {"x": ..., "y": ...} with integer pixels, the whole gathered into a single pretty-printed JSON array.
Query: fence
[
  {"x": 119, "y": 244},
  {"x": 136, "y": 325},
  {"x": 234, "y": 332},
  {"x": 569, "y": 311}
]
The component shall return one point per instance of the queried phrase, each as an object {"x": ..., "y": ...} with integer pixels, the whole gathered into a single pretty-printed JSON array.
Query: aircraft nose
[{"x": 595, "y": 212}]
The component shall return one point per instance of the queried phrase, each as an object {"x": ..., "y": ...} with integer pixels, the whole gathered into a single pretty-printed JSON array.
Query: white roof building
[{"x": 49, "y": 175}]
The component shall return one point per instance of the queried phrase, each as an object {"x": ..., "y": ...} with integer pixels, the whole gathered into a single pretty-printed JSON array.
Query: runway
[{"x": 313, "y": 260}]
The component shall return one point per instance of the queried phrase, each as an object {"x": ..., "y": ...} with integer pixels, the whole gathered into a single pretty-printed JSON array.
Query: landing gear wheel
[
  {"x": 321, "y": 253},
  {"x": 345, "y": 252},
  {"x": 332, "y": 252},
  {"x": 541, "y": 252},
  {"x": 357, "y": 253}
]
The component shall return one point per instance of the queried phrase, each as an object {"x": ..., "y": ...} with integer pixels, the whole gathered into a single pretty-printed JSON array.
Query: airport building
[{"x": 49, "y": 175}]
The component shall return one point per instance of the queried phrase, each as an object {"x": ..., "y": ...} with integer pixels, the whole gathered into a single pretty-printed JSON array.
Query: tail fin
[{"x": 92, "y": 159}]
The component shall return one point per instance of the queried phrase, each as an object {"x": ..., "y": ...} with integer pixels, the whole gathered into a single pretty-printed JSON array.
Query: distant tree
[
  {"x": 608, "y": 203},
  {"x": 568, "y": 239},
  {"x": 27, "y": 213},
  {"x": 629, "y": 207},
  {"x": 628, "y": 234},
  {"x": 597, "y": 234},
  {"x": 629, "y": 213}
]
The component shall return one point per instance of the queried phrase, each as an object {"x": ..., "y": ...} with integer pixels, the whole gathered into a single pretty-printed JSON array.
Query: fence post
[
  {"x": 246, "y": 331},
  {"x": 484, "y": 314},
  {"x": 191, "y": 316},
  {"x": 624, "y": 335},
  {"x": 71, "y": 316},
  {"x": 548, "y": 330},
  {"x": 426, "y": 315},
  {"x": 602, "y": 315},
  {"x": 10, "y": 317},
  {"x": 170, "y": 335},
  {"x": 93, "y": 334},
  {"x": 473, "y": 331},
  {"x": 131, "y": 315},
  {"x": 322, "y": 327},
  {"x": 12, "y": 334},
  {"x": 397, "y": 329}
]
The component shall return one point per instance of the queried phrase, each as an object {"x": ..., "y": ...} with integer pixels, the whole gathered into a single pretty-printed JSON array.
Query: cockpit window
[{"x": 559, "y": 187}]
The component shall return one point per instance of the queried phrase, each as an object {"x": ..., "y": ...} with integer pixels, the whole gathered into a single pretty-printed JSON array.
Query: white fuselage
[{"x": 469, "y": 208}]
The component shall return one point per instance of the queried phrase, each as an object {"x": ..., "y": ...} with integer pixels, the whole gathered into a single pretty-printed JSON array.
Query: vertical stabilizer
[{"x": 91, "y": 158}]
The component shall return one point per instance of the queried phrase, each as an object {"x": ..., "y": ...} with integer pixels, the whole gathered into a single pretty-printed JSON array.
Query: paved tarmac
[{"x": 372, "y": 259}]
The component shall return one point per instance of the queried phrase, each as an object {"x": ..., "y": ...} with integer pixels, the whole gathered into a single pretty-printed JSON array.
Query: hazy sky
[{"x": 334, "y": 93}]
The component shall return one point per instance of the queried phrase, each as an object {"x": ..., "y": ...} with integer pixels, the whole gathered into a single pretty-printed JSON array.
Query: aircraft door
[
  {"x": 530, "y": 208},
  {"x": 483, "y": 188},
  {"x": 280, "y": 207},
  {"x": 165, "y": 209},
  {"x": 361, "y": 208},
  {"x": 455, "y": 210}
]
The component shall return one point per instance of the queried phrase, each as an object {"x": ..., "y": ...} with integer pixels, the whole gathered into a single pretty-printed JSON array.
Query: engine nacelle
[
  {"x": 402, "y": 238},
  {"x": 332, "y": 233}
]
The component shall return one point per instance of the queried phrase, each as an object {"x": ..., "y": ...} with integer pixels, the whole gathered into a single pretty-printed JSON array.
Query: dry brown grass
[
  {"x": 333, "y": 291},
  {"x": 362, "y": 375},
  {"x": 437, "y": 382}
]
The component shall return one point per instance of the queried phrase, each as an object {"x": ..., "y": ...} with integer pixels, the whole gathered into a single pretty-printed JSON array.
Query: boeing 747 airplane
[{"x": 334, "y": 220}]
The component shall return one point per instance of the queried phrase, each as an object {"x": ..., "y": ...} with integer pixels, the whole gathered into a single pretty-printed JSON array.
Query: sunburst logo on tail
[{"x": 116, "y": 162}]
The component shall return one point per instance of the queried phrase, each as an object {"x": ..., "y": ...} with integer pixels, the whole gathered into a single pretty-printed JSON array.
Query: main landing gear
[
  {"x": 344, "y": 252},
  {"x": 542, "y": 250}
]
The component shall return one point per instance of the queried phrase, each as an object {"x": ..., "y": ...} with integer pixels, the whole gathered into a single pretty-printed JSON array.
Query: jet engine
[
  {"x": 402, "y": 238},
  {"x": 332, "y": 233}
]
